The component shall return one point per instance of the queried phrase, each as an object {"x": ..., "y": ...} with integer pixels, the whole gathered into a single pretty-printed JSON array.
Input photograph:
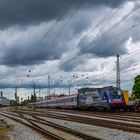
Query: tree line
[{"x": 136, "y": 88}]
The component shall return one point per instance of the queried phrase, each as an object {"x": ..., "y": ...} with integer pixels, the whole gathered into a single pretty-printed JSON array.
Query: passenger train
[{"x": 105, "y": 98}]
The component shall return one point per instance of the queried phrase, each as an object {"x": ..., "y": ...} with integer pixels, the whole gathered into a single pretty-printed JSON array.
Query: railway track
[
  {"x": 32, "y": 126},
  {"x": 96, "y": 120},
  {"x": 122, "y": 114},
  {"x": 117, "y": 116},
  {"x": 44, "y": 127},
  {"x": 135, "y": 117},
  {"x": 131, "y": 114}
]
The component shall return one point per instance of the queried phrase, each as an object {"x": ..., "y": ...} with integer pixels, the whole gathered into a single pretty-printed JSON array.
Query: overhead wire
[
  {"x": 62, "y": 29},
  {"x": 113, "y": 38},
  {"x": 98, "y": 24},
  {"x": 56, "y": 21},
  {"x": 118, "y": 24},
  {"x": 51, "y": 45},
  {"x": 111, "y": 27},
  {"x": 122, "y": 20},
  {"x": 46, "y": 33}
]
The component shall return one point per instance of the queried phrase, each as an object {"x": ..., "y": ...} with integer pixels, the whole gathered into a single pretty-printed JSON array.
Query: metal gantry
[{"x": 118, "y": 71}]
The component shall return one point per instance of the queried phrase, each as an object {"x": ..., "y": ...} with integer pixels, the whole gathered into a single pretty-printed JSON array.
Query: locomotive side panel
[{"x": 91, "y": 100}]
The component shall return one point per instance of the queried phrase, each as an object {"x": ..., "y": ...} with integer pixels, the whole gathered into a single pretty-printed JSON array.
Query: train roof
[
  {"x": 87, "y": 89},
  {"x": 62, "y": 97},
  {"x": 94, "y": 89}
]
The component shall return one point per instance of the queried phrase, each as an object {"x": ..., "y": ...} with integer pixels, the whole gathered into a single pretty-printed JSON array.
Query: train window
[
  {"x": 60, "y": 101},
  {"x": 68, "y": 100},
  {"x": 119, "y": 92},
  {"x": 63, "y": 100},
  {"x": 71, "y": 99},
  {"x": 115, "y": 94}
]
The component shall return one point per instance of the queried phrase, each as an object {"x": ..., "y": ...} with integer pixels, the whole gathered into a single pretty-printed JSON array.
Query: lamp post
[
  {"x": 69, "y": 84},
  {"x": 1, "y": 98},
  {"x": 34, "y": 95},
  {"x": 16, "y": 89},
  {"x": 34, "y": 91},
  {"x": 49, "y": 85},
  {"x": 74, "y": 77},
  {"x": 16, "y": 98}
]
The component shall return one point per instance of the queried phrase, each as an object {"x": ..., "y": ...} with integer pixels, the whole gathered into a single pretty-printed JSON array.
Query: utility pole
[
  {"x": 34, "y": 95},
  {"x": 69, "y": 87},
  {"x": 16, "y": 97},
  {"x": 39, "y": 91},
  {"x": 49, "y": 85},
  {"x": 118, "y": 71},
  {"x": 1, "y": 98}
]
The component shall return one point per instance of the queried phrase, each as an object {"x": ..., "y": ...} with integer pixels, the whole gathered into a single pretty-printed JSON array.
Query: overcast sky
[{"x": 73, "y": 41}]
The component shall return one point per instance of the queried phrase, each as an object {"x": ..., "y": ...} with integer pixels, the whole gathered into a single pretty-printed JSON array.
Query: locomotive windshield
[{"x": 116, "y": 94}]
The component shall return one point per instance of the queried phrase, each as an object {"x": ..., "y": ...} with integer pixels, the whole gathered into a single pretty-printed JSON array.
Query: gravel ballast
[
  {"x": 96, "y": 131},
  {"x": 22, "y": 132}
]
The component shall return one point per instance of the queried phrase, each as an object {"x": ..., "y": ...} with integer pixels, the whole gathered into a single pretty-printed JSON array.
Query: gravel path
[
  {"x": 21, "y": 132},
  {"x": 99, "y": 132}
]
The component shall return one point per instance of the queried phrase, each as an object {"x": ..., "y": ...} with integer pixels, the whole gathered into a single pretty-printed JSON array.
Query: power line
[
  {"x": 75, "y": 57},
  {"x": 109, "y": 16},
  {"x": 56, "y": 21},
  {"x": 104, "y": 18},
  {"x": 113, "y": 26},
  {"x": 65, "y": 24}
]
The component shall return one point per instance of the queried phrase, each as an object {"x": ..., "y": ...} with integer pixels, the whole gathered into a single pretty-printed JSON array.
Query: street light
[
  {"x": 34, "y": 99},
  {"x": 74, "y": 77},
  {"x": 16, "y": 97}
]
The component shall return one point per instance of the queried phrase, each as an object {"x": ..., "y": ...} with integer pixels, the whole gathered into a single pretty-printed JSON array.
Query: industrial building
[{"x": 4, "y": 101}]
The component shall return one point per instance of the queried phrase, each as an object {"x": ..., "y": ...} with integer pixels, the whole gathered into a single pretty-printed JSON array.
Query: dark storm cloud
[
  {"x": 37, "y": 48},
  {"x": 34, "y": 53},
  {"x": 102, "y": 47},
  {"x": 30, "y": 85},
  {"x": 78, "y": 24},
  {"x": 108, "y": 3},
  {"x": 28, "y": 12},
  {"x": 71, "y": 64}
]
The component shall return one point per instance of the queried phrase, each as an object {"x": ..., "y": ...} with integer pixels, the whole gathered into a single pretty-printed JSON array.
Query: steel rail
[
  {"x": 35, "y": 127},
  {"x": 56, "y": 126},
  {"x": 125, "y": 126}
]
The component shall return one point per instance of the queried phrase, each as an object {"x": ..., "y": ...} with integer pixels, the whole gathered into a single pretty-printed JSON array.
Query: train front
[{"x": 114, "y": 97}]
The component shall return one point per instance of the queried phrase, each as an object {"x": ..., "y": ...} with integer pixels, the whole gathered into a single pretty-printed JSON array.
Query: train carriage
[
  {"x": 67, "y": 101},
  {"x": 87, "y": 98}
]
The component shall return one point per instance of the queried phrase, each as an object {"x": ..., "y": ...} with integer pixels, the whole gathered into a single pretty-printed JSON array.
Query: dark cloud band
[{"x": 28, "y": 12}]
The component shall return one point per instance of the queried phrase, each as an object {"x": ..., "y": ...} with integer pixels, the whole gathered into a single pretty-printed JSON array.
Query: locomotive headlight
[{"x": 119, "y": 93}]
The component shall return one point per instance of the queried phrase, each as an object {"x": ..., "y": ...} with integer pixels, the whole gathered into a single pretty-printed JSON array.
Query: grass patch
[{"x": 4, "y": 129}]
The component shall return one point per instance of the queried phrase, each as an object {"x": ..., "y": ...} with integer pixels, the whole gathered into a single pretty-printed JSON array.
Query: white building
[{"x": 4, "y": 101}]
